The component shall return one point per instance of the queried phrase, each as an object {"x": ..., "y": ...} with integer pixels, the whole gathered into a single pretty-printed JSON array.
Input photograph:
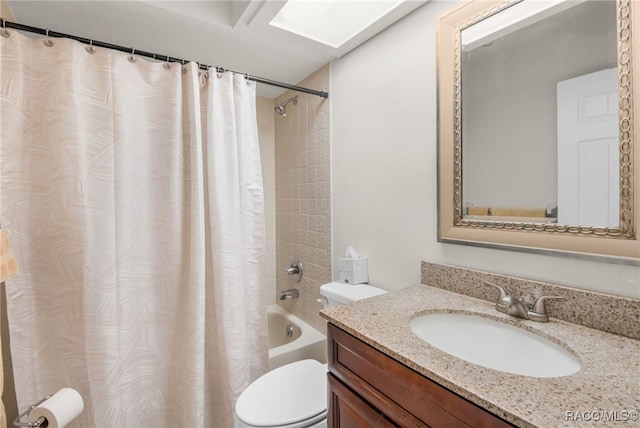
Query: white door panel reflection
[{"x": 588, "y": 159}]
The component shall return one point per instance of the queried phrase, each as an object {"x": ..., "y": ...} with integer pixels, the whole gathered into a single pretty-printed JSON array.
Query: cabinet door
[
  {"x": 403, "y": 395},
  {"x": 348, "y": 410}
]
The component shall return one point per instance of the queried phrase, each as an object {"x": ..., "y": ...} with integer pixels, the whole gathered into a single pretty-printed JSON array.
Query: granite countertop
[{"x": 606, "y": 387}]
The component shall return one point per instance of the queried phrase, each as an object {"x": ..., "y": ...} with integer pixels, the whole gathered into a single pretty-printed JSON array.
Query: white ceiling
[{"x": 231, "y": 34}]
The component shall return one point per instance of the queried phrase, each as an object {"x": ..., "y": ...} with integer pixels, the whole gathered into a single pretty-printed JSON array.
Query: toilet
[{"x": 295, "y": 395}]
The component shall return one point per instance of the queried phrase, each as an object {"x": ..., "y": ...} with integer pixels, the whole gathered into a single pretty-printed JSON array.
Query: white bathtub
[{"x": 305, "y": 341}]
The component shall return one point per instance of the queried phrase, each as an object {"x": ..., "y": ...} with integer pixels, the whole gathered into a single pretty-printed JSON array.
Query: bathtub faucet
[
  {"x": 295, "y": 270},
  {"x": 292, "y": 293}
]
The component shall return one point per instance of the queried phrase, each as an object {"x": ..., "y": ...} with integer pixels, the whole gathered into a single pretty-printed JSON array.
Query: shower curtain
[{"x": 133, "y": 194}]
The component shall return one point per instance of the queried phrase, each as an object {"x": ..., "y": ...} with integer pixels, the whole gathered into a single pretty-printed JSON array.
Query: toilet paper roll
[{"x": 59, "y": 410}]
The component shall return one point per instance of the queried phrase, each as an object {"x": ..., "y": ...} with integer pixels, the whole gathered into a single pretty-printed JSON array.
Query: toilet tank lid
[{"x": 347, "y": 293}]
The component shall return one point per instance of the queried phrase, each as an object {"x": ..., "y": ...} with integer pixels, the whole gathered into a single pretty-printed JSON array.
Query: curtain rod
[{"x": 45, "y": 32}]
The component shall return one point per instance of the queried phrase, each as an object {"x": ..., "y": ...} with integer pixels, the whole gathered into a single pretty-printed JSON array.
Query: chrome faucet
[
  {"x": 295, "y": 270},
  {"x": 292, "y": 293},
  {"x": 519, "y": 307}
]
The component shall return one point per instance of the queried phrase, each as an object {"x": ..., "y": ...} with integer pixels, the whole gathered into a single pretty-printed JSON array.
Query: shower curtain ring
[
  {"x": 3, "y": 22},
  {"x": 4, "y": 31},
  {"x": 90, "y": 48},
  {"x": 167, "y": 65},
  {"x": 132, "y": 58},
  {"x": 48, "y": 43}
]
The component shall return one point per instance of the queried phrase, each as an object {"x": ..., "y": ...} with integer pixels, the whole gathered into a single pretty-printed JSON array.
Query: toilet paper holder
[{"x": 41, "y": 420}]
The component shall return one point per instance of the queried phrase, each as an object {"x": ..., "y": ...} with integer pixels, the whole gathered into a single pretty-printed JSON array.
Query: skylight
[{"x": 331, "y": 22}]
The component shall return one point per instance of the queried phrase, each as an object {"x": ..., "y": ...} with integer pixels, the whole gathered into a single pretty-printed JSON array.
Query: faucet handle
[
  {"x": 539, "y": 305},
  {"x": 295, "y": 269},
  {"x": 539, "y": 310},
  {"x": 502, "y": 293},
  {"x": 504, "y": 301}
]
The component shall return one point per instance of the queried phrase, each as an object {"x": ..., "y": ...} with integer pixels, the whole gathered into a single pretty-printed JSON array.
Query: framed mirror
[{"x": 536, "y": 126}]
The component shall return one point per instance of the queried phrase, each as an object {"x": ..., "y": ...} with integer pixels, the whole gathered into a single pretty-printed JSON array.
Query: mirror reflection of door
[{"x": 588, "y": 185}]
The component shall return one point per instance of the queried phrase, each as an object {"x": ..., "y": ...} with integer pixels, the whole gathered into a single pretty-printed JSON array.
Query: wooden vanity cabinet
[{"x": 369, "y": 389}]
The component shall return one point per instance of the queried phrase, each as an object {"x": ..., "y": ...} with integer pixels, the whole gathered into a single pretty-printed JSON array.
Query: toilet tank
[{"x": 338, "y": 293}]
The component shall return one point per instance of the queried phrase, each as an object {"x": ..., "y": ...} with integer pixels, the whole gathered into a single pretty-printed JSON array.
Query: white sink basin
[{"x": 494, "y": 344}]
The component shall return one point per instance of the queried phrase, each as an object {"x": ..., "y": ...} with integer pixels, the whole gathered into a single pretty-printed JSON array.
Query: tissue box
[{"x": 353, "y": 271}]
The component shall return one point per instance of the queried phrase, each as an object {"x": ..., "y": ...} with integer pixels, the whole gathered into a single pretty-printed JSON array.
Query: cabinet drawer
[{"x": 402, "y": 394}]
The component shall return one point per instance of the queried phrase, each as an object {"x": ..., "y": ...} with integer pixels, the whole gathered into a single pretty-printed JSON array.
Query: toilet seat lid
[{"x": 287, "y": 395}]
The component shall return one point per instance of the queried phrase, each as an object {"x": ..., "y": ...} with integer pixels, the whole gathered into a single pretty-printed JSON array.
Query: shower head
[{"x": 280, "y": 108}]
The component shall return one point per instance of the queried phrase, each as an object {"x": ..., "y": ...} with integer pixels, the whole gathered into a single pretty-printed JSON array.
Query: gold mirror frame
[{"x": 619, "y": 242}]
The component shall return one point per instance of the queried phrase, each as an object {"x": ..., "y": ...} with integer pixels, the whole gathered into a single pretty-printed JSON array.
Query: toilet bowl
[
  {"x": 291, "y": 396},
  {"x": 295, "y": 395}
]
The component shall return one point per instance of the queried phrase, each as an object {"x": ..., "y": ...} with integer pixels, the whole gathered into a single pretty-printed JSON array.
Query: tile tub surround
[
  {"x": 303, "y": 197},
  {"x": 609, "y": 380},
  {"x": 613, "y": 314}
]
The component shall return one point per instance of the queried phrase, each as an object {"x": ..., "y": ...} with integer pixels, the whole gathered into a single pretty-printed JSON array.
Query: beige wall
[
  {"x": 303, "y": 206},
  {"x": 384, "y": 160},
  {"x": 5, "y": 12}
]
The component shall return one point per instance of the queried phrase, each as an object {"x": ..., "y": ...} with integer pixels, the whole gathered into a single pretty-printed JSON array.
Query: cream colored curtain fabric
[{"x": 133, "y": 191}]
